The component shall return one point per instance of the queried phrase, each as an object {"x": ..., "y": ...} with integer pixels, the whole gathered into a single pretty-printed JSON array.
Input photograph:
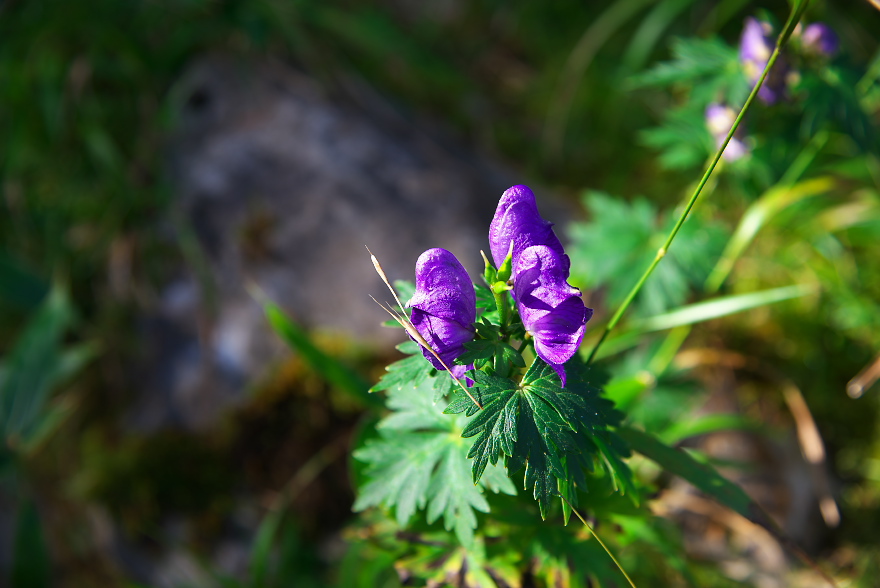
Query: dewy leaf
[
  {"x": 552, "y": 433},
  {"x": 419, "y": 461}
]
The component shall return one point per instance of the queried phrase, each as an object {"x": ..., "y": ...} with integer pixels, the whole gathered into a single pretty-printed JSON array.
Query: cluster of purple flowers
[
  {"x": 816, "y": 40},
  {"x": 552, "y": 311},
  {"x": 757, "y": 44}
]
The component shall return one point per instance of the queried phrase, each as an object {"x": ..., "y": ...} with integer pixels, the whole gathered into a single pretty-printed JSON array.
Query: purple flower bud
[
  {"x": 517, "y": 219},
  {"x": 755, "y": 48},
  {"x": 719, "y": 119},
  {"x": 444, "y": 307},
  {"x": 551, "y": 309},
  {"x": 819, "y": 38}
]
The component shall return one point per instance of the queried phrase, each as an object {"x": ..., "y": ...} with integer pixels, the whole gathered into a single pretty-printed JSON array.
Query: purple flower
[
  {"x": 444, "y": 307},
  {"x": 517, "y": 219},
  {"x": 719, "y": 119},
  {"x": 755, "y": 48},
  {"x": 820, "y": 39},
  {"x": 551, "y": 309}
]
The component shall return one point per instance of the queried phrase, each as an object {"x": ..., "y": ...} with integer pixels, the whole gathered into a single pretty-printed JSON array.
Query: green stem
[
  {"x": 503, "y": 305},
  {"x": 661, "y": 253},
  {"x": 599, "y": 539}
]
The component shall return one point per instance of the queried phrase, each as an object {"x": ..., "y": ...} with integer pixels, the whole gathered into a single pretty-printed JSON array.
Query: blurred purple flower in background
[
  {"x": 551, "y": 310},
  {"x": 444, "y": 307},
  {"x": 820, "y": 39},
  {"x": 719, "y": 119},
  {"x": 755, "y": 48}
]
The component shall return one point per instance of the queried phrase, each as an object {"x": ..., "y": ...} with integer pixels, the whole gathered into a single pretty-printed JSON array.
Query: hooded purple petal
[
  {"x": 755, "y": 47},
  {"x": 517, "y": 219},
  {"x": 444, "y": 307},
  {"x": 551, "y": 309}
]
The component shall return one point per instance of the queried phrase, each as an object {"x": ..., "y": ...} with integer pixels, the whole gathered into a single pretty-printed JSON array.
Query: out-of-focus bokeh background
[{"x": 165, "y": 163}]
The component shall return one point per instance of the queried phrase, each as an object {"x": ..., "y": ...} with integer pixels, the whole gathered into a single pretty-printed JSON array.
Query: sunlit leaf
[
  {"x": 419, "y": 461},
  {"x": 719, "y": 307},
  {"x": 554, "y": 434}
]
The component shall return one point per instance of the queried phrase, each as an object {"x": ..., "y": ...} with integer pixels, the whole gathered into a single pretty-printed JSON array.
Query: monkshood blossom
[
  {"x": 551, "y": 310},
  {"x": 719, "y": 119},
  {"x": 820, "y": 39},
  {"x": 444, "y": 307},
  {"x": 755, "y": 48},
  {"x": 517, "y": 219}
]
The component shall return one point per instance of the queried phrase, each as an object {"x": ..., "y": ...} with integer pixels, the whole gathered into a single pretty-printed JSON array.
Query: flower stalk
[{"x": 661, "y": 253}]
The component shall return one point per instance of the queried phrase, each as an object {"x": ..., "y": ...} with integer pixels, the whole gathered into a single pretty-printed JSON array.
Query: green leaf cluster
[
  {"x": 623, "y": 235},
  {"x": 555, "y": 434},
  {"x": 710, "y": 71},
  {"x": 710, "y": 66},
  {"x": 419, "y": 459}
]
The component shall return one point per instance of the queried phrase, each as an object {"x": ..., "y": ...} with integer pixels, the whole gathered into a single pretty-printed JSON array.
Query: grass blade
[
  {"x": 719, "y": 307},
  {"x": 331, "y": 369}
]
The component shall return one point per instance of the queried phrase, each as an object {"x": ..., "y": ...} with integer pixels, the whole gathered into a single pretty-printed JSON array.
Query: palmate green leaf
[
  {"x": 495, "y": 425},
  {"x": 419, "y": 461},
  {"x": 634, "y": 229},
  {"x": 406, "y": 372},
  {"x": 693, "y": 59},
  {"x": 709, "y": 68},
  {"x": 401, "y": 467},
  {"x": 682, "y": 139},
  {"x": 554, "y": 434},
  {"x": 832, "y": 97}
]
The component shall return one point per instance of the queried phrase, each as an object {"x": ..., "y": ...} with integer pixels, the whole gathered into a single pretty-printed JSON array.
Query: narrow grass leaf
[{"x": 720, "y": 307}]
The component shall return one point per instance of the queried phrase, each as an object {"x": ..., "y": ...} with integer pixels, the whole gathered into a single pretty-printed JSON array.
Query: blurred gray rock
[{"x": 280, "y": 186}]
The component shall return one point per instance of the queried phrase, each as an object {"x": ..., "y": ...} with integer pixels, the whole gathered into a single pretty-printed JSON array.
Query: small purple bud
[
  {"x": 755, "y": 48},
  {"x": 517, "y": 219},
  {"x": 551, "y": 309},
  {"x": 820, "y": 39},
  {"x": 719, "y": 119},
  {"x": 444, "y": 307}
]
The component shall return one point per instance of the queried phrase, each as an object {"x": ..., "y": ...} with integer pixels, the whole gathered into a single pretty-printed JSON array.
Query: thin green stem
[
  {"x": 503, "y": 304},
  {"x": 599, "y": 539},
  {"x": 661, "y": 253}
]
